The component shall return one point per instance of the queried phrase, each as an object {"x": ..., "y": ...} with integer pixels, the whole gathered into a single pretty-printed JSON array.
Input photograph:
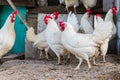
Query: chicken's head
[
  {"x": 88, "y": 12},
  {"x": 114, "y": 10},
  {"x": 98, "y": 15},
  {"x": 13, "y": 15},
  {"x": 46, "y": 18},
  {"x": 62, "y": 25},
  {"x": 55, "y": 14}
]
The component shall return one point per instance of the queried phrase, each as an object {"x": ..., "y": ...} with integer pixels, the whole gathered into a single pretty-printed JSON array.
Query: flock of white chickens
[{"x": 64, "y": 38}]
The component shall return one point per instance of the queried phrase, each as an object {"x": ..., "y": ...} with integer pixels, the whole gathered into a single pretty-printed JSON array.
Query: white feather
[
  {"x": 72, "y": 19},
  {"x": 85, "y": 24}
]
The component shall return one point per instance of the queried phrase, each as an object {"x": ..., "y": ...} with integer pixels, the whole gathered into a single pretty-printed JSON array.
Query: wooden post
[
  {"x": 19, "y": 14},
  {"x": 117, "y": 3}
]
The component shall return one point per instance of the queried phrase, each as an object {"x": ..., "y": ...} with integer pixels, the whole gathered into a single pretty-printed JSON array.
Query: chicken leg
[
  {"x": 67, "y": 9},
  {"x": 78, "y": 66},
  {"x": 104, "y": 48},
  {"x": 75, "y": 9},
  {"x": 46, "y": 53},
  {"x": 68, "y": 57},
  {"x": 59, "y": 60}
]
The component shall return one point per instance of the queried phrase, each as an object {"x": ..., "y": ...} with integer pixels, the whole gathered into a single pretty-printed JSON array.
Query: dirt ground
[{"x": 49, "y": 70}]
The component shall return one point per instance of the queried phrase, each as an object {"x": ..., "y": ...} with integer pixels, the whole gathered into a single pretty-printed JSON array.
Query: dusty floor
[{"x": 48, "y": 70}]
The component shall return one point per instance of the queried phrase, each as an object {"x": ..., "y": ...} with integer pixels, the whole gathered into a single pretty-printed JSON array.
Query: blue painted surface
[
  {"x": 20, "y": 28},
  {"x": 118, "y": 34}
]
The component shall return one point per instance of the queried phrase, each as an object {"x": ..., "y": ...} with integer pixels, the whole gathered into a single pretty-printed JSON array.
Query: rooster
[
  {"x": 7, "y": 34},
  {"x": 39, "y": 40},
  {"x": 84, "y": 46},
  {"x": 53, "y": 37},
  {"x": 98, "y": 19},
  {"x": 109, "y": 17},
  {"x": 89, "y": 3}
]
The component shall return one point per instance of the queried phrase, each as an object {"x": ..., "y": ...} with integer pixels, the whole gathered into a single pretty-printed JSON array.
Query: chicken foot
[{"x": 96, "y": 64}]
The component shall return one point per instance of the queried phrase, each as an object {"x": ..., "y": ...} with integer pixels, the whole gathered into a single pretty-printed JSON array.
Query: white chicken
[
  {"x": 39, "y": 40},
  {"x": 7, "y": 34},
  {"x": 89, "y": 3},
  {"x": 109, "y": 17},
  {"x": 53, "y": 37},
  {"x": 98, "y": 19},
  {"x": 85, "y": 24},
  {"x": 70, "y": 3},
  {"x": 84, "y": 46}
]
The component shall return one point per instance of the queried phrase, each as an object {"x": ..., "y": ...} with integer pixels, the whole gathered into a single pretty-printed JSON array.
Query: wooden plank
[
  {"x": 12, "y": 57},
  {"x": 61, "y": 9},
  {"x": 27, "y": 3},
  {"x": 30, "y": 51},
  {"x": 53, "y": 2}
]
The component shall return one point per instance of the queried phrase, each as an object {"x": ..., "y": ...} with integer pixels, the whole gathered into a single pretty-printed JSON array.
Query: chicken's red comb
[
  {"x": 13, "y": 16},
  {"x": 47, "y": 17},
  {"x": 15, "y": 12},
  {"x": 89, "y": 11},
  {"x": 114, "y": 7},
  {"x": 56, "y": 13},
  {"x": 98, "y": 15}
]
